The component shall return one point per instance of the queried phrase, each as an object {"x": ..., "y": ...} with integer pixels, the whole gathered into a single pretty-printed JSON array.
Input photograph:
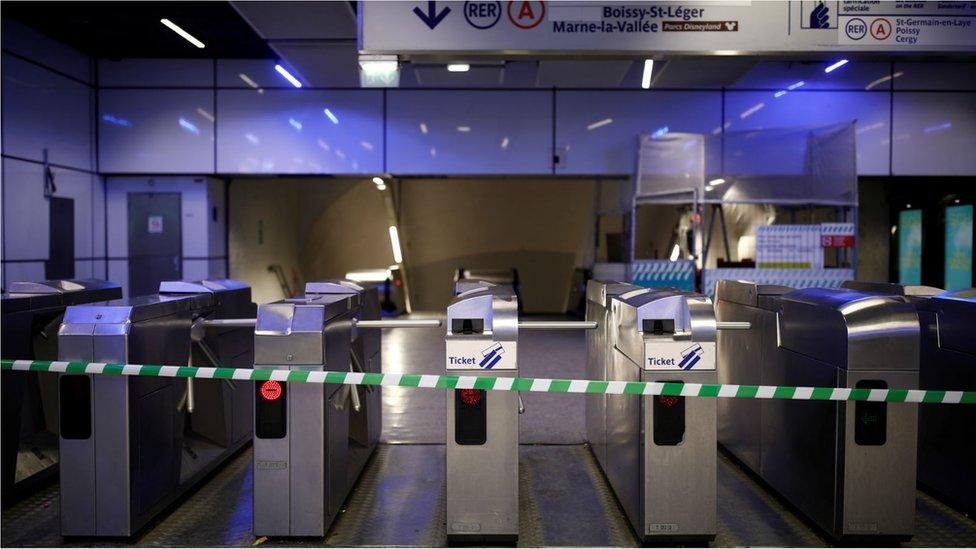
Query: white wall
[
  {"x": 204, "y": 252},
  {"x": 912, "y": 119},
  {"x": 48, "y": 103}
]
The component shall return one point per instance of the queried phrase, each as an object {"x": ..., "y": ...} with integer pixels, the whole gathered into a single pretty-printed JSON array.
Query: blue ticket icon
[{"x": 691, "y": 356}]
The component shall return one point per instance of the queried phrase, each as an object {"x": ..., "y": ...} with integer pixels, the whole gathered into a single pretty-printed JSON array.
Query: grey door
[{"x": 155, "y": 241}]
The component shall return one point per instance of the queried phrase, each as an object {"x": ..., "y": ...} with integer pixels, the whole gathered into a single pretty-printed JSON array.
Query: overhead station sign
[{"x": 693, "y": 27}]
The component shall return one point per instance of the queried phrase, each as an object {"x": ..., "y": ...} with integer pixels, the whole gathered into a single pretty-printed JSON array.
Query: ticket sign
[{"x": 693, "y": 27}]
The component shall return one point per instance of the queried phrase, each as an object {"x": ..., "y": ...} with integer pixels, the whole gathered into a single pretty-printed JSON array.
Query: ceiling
[{"x": 117, "y": 30}]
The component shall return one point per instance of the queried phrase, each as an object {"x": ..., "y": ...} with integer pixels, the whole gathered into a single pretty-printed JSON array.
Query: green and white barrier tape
[{"x": 522, "y": 384}]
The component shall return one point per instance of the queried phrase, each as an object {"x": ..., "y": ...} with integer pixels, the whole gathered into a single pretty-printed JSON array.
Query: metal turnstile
[
  {"x": 482, "y": 426},
  {"x": 465, "y": 278},
  {"x": 366, "y": 417},
  {"x": 32, "y": 314},
  {"x": 946, "y": 448},
  {"x": 312, "y": 441},
  {"x": 131, "y": 445},
  {"x": 661, "y": 450},
  {"x": 599, "y": 350},
  {"x": 848, "y": 466},
  {"x": 746, "y": 354}
]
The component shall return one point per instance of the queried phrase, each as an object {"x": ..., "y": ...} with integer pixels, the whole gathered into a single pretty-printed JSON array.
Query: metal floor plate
[{"x": 400, "y": 501}]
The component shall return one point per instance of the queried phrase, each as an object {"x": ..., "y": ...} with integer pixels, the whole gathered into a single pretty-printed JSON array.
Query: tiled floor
[{"x": 400, "y": 498}]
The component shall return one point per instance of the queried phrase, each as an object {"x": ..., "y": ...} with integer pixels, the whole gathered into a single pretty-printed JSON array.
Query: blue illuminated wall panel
[
  {"x": 598, "y": 130},
  {"x": 765, "y": 110},
  {"x": 300, "y": 131},
  {"x": 469, "y": 132},
  {"x": 934, "y": 133},
  {"x": 43, "y": 109},
  {"x": 156, "y": 131}
]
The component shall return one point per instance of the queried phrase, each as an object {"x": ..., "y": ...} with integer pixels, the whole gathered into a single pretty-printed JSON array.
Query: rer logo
[
  {"x": 491, "y": 355},
  {"x": 482, "y": 15},
  {"x": 526, "y": 14},
  {"x": 856, "y": 28}
]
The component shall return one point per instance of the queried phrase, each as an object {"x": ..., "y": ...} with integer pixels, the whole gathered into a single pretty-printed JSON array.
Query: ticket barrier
[
  {"x": 131, "y": 445},
  {"x": 32, "y": 313},
  {"x": 465, "y": 278},
  {"x": 848, "y": 466},
  {"x": 946, "y": 448},
  {"x": 312, "y": 441},
  {"x": 661, "y": 450},
  {"x": 482, "y": 426},
  {"x": 599, "y": 351}
]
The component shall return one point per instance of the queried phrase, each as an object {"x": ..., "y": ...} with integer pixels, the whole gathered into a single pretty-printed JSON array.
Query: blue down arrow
[{"x": 432, "y": 18}]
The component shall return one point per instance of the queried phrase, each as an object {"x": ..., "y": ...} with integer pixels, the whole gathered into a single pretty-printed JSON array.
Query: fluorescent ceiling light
[
  {"x": 366, "y": 145},
  {"x": 283, "y": 72},
  {"x": 378, "y": 67},
  {"x": 252, "y": 138},
  {"x": 205, "y": 114},
  {"x": 505, "y": 143},
  {"x": 648, "y": 70},
  {"x": 423, "y": 128},
  {"x": 379, "y": 71},
  {"x": 187, "y": 36},
  {"x": 378, "y": 181},
  {"x": 708, "y": 188},
  {"x": 331, "y": 116},
  {"x": 938, "y": 127},
  {"x": 779, "y": 94},
  {"x": 189, "y": 126},
  {"x": 718, "y": 181},
  {"x": 464, "y": 129},
  {"x": 381, "y": 187},
  {"x": 395, "y": 242},
  {"x": 247, "y": 80},
  {"x": 458, "y": 67},
  {"x": 749, "y": 112},
  {"x": 875, "y": 126},
  {"x": 836, "y": 66},
  {"x": 373, "y": 275},
  {"x": 599, "y": 124},
  {"x": 323, "y": 144},
  {"x": 295, "y": 124}
]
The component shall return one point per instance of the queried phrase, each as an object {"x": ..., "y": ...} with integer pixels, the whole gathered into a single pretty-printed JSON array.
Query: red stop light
[
  {"x": 271, "y": 390},
  {"x": 668, "y": 400},
  {"x": 470, "y": 397}
]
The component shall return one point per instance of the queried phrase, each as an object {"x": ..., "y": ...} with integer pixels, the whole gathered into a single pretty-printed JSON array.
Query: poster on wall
[
  {"x": 910, "y": 247},
  {"x": 959, "y": 247},
  {"x": 789, "y": 247}
]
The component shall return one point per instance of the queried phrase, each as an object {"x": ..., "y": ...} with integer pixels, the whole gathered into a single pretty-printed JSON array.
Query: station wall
[
  {"x": 48, "y": 105},
  {"x": 912, "y": 119}
]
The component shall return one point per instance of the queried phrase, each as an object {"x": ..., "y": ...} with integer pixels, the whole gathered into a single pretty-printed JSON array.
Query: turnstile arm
[
  {"x": 733, "y": 325},
  {"x": 557, "y": 325},
  {"x": 230, "y": 322},
  {"x": 250, "y": 322},
  {"x": 405, "y": 323}
]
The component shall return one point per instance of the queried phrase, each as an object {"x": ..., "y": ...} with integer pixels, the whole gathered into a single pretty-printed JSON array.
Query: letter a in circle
[{"x": 529, "y": 14}]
